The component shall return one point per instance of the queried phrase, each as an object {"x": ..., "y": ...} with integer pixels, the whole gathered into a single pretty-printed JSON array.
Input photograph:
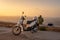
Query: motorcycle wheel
[{"x": 16, "y": 30}]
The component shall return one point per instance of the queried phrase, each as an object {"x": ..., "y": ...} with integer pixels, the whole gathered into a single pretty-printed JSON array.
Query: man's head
[{"x": 40, "y": 15}]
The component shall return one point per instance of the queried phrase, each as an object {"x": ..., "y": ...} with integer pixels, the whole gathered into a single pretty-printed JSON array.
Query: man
[
  {"x": 40, "y": 20},
  {"x": 20, "y": 22}
]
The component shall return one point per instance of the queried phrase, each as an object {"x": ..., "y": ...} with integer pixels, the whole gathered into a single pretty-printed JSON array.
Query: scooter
[{"x": 31, "y": 26}]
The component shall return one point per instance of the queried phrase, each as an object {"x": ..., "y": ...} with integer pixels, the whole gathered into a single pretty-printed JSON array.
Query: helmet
[{"x": 35, "y": 18}]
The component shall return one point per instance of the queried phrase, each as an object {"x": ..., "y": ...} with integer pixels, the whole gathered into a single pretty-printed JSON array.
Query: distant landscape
[{"x": 15, "y": 19}]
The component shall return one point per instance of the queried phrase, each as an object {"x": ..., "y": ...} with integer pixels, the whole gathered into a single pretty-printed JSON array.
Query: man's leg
[{"x": 21, "y": 28}]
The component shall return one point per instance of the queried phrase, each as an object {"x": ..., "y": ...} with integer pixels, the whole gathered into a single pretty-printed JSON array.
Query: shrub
[{"x": 42, "y": 28}]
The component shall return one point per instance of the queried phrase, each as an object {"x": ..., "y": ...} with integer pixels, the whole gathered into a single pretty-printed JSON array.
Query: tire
[{"x": 16, "y": 30}]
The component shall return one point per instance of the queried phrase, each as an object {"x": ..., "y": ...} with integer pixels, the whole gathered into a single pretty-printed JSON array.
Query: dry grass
[
  {"x": 57, "y": 29},
  {"x": 6, "y": 24}
]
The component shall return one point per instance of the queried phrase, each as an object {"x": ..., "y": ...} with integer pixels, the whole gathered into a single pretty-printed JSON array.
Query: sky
[{"x": 46, "y": 8}]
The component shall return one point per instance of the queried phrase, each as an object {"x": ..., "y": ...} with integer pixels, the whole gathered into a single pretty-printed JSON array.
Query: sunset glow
[{"x": 30, "y": 7}]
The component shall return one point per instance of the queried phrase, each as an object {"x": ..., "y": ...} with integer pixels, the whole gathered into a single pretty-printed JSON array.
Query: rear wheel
[{"x": 16, "y": 30}]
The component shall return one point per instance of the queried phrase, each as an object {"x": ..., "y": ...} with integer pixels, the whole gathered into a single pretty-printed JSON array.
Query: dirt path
[
  {"x": 4, "y": 30},
  {"x": 41, "y": 35}
]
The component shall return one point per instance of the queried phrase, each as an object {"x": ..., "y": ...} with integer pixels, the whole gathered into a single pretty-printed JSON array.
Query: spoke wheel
[{"x": 16, "y": 30}]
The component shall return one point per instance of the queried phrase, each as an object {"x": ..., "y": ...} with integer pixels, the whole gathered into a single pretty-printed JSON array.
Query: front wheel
[{"x": 16, "y": 30}]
